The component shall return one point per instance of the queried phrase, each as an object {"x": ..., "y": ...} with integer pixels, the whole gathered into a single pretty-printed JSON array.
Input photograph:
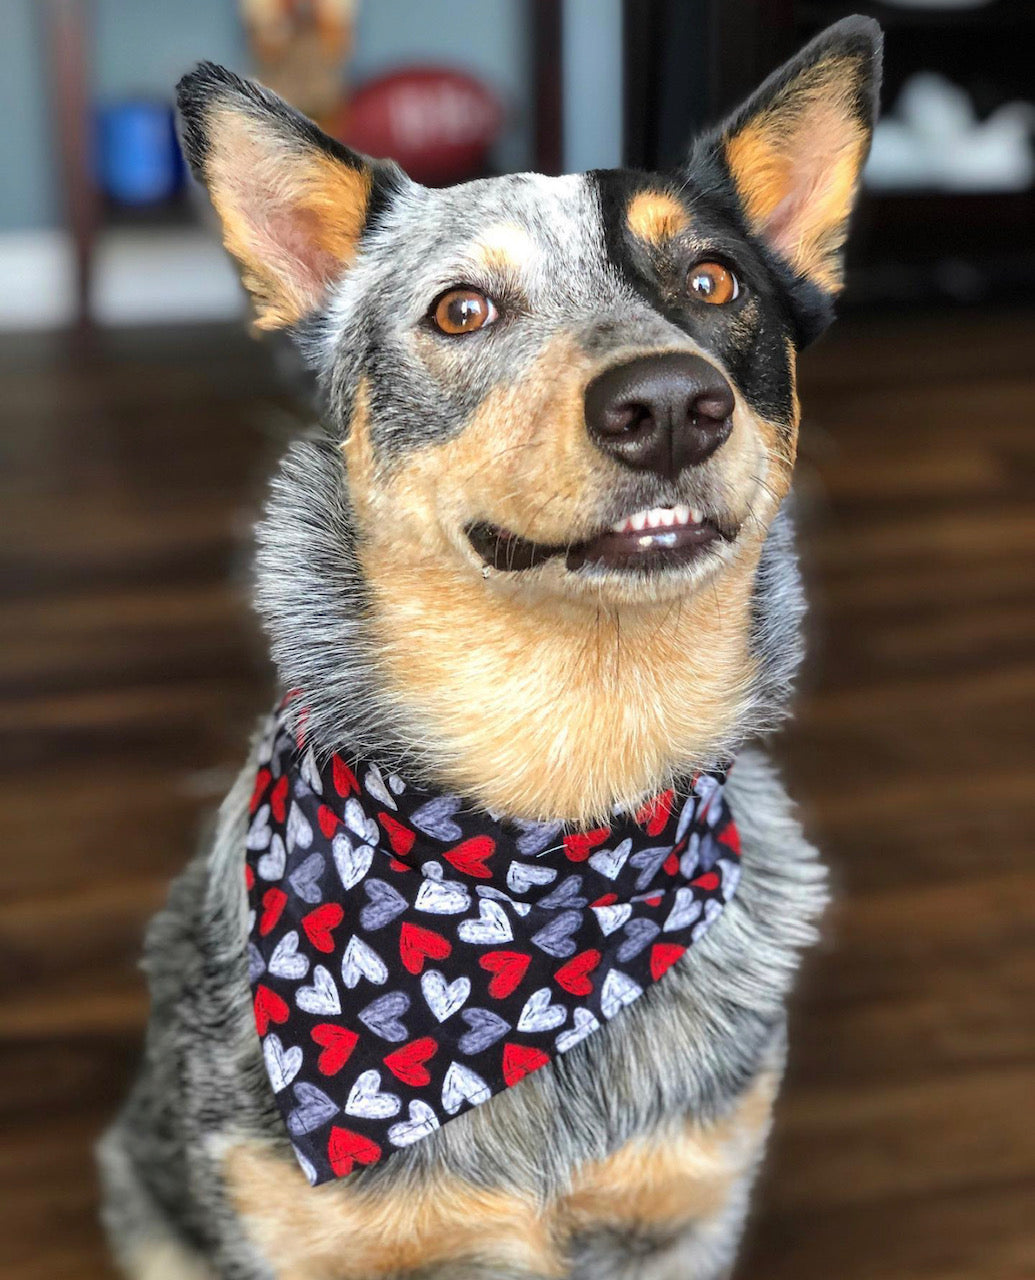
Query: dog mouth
[{"x": 649, "y": 541}]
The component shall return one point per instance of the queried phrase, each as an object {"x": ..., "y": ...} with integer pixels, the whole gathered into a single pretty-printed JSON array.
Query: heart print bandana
[{"x": 410, "y": 955}]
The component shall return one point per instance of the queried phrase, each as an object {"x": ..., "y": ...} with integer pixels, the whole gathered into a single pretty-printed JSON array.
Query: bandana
[{"x": 410, "y": 956}]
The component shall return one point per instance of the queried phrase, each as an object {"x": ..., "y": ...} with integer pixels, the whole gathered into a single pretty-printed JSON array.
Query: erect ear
[
  {"x": 796, "y": 149},
  {"x": 293, "y": 202}
]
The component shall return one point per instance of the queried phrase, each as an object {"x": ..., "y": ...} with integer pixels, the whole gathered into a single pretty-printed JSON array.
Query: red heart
[
  {"x": 249, "y": 877},
  {"x": 509, "y": 967},
  {"x": 655, "y": 813},
  {"x": 396, "y": 865},
  {"x": 708, "y": 881},
  {"x": 731, "y": 838},
  {"x": 662, "y": 957},
  {"x": 671, "y": 864},
  {"x": 274, "y": 901},
  {"x": 319, "y": 924},
  {"x": 605, "y": 900},
  {"x": 338, "y": 1043},
  {"x": 417, "y": 944},
  {"x": 345, "y": 1148},
  {"x": 262, "y": 781},
  {"x": 328, "y": 820},
  {"x": 268, "y": 1008},
  {"x": 278, "y": 798},
  {"x": 654, "y": 900},
  {"x": 579, "y": 844},
  {"x": 469, "y": 857},
  {"x": 519, "y": 1060},
  {"x": 574, "y": 976},
  {"x": 399, "y": 837},
  {"x": 344, "y": 779},
  {"x": 407, "y": 1063}
]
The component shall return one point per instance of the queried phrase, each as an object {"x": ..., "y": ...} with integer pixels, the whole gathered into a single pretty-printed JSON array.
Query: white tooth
[
  {"x": 695, "y": 516},
  {"x": 682, "y": 514},
  {"x": 620, "y": 526},
  {"x": 639, "y": 521}
]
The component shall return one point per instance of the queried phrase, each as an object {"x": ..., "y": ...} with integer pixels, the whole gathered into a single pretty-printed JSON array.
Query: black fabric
[{"x": 410, "y": 955}]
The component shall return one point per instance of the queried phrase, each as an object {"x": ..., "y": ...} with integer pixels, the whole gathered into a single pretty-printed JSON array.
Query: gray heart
[
  {"x": 637, "y": 934},
  {"x": 555, "y": 938},
  {"x": 256, "y": 964},
  {"x": 649, "y": 860},
  {"x": 486, "y": 1028},
  {"x": 384, "y": 905},
  {"x": 535, "y": 836},
  {"x": 305, "y": 879},
  {"x": 287, "y": 961},
  {"x": 314, "y": 1109},
  {"x": 435, "y": 818},
  {"x": 383, "y": 1015},
  {"x": 565, "y": 895}
]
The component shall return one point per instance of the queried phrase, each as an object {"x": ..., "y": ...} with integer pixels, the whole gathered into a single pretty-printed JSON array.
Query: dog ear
[
  {"x": 293, "y": 201},
  {"x": 795, "y": 150}
]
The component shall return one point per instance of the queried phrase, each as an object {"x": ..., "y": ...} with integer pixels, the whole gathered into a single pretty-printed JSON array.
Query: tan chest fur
[{"x": 657, "y": 1185}]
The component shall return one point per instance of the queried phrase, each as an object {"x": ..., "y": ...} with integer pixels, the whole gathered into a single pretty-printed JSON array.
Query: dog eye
[
  {"x": 461, "y": 311},
  {"x": 712, "y": 282}
]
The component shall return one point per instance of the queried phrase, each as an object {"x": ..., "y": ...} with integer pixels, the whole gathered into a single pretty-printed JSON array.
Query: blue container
[{"x": 138, "y": 157}]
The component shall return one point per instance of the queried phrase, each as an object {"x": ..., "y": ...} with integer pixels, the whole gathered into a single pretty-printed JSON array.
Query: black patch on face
[{"x": 749, "y": 335}]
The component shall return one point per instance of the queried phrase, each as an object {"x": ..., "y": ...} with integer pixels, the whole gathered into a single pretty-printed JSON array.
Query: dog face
[{"x": 561, "y": 422}]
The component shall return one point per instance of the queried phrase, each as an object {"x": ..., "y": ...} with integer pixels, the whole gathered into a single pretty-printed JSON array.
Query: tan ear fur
[
  {"x": 796, "y": 164},
  {"x": 292, "y": 215}
]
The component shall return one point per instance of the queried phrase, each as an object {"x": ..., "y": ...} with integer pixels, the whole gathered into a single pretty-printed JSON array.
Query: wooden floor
[{"x": 905, "y": 1140}]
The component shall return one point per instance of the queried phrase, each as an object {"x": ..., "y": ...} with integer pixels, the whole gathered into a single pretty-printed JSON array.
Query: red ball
[{"x": 438, "y": 124}]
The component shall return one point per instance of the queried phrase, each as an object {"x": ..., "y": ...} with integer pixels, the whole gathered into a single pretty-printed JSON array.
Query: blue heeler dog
[{"x": 488, "y": 945}]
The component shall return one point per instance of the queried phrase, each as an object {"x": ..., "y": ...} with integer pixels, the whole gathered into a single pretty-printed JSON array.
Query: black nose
[{"x": 660, "y": 413}]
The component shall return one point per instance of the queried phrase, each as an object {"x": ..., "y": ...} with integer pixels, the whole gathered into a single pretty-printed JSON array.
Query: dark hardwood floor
[{"x": 905, "y": 1140}]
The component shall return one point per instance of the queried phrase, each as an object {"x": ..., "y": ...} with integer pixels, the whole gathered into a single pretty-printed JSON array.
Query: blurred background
[{"x": 138, "y": 420}]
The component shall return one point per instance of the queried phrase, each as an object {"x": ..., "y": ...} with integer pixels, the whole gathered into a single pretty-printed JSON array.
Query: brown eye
[
  {"x": 463, "y": 311},
  {"x": 712, "y": 282}
]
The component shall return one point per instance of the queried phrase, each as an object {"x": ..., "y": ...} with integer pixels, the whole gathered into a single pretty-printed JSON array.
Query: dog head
[{"x": 536, "y": 552}]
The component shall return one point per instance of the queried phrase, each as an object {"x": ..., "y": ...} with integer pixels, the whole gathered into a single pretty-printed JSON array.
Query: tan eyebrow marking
[{"x": 656, "y": 216}]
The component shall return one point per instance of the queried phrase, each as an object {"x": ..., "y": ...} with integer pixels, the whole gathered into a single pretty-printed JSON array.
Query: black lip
[{"x": 642, "y": 551}]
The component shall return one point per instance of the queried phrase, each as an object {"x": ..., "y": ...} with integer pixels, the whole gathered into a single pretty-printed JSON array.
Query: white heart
[
  {"x": 271, "y": 865},
  {"x": 305, "y": 1165},
  {"x": 610, "y": 861},
  {"x": 491, "y": 926},
  {"x": 282, "y": 1065},
  {"x": 358, "y": 822},
  {"x": 366, "y": 1099},
  {"x": 463, "y": 1085},
  {"x": 585, "y": 1023},
  {"x": 619, "y": 990},
  {"x": 444, "y": 998},
  {"x": 360, "y": 960},
  {"x": 375, "y": 785},
  {"x": 688, "y": 862},
  {"x": 684, "y": 912},
  {"x": 489, "y": 891},
  {"x": 521, "y": 876},
  {"x": 442, "y": 897},
  {"x": 298, "y": 831},
  {"x": 259, "y": 832},
  {"x": 686, "y": 816},
  {"x": 310, "y": 773},
  {"x": 396, "y": 783},
  {"x": 712, "y": 911},
  {"x": 539, "y": 1014},
  {"x": 352, "y": 861},
  {"x": 730, "y": 877},
  {"x": 613, "y": 916},
  {"x": 286, "y": 961},
  {"x": 422, "y": 1121},
  {"x": 321, "y": 997}
]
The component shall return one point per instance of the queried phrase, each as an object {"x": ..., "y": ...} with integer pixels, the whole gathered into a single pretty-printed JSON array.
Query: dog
[{"x": 533, "y": 600}]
